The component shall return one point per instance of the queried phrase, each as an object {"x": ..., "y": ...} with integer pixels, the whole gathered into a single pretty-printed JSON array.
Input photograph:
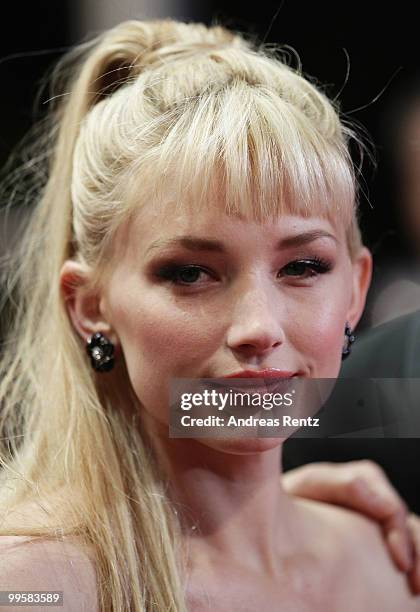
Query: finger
[
  {"x": 384, "y": 505},
  {"x": 361, "y": 486},
  {"x": 400, "y": 548},
  {"x": 392, "y": 515},
  {"x": 322, "y": 482},
  {"x": 413, "y": 523},
  {"x": 358, "y": 485}
]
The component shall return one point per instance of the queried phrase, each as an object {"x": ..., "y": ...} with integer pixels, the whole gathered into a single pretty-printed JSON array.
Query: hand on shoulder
[{"x": 369, "y": 578}]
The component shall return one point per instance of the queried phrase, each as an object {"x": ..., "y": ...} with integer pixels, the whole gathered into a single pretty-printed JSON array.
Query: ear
[
  {"x": 362, "y": 274},
  {"x": 84, "y": 304}
]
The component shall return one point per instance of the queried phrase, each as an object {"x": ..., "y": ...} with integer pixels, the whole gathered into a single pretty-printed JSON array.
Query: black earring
[
  {"x": 101, "y": 352},
  {"x": 350, "y": 338}
]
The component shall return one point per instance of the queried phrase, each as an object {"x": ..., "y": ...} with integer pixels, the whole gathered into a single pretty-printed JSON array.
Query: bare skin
[
  {"x": 252, "y": 308},
  {"x": 321, "y": 577},
  {"x": 49, "y": 566},
  {"x": 254, "y": 547},
  {"x": 314, "y": 557},
  {"x": 333, "y": 572}
]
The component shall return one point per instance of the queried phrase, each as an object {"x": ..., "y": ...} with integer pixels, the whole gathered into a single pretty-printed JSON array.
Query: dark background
[
  {"x": 33, "y": 37},
  {"x": 377, "y": 43}
]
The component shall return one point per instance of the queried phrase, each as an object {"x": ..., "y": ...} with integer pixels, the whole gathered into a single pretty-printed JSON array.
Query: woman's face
[{"x": 205, "y": 295}]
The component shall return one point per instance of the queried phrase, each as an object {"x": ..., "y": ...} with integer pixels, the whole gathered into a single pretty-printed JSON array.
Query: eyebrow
[{"x": 192, "y": 243}]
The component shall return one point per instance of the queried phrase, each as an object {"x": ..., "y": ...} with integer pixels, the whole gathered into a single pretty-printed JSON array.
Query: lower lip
[
  {"x": 258, "y": 384},
  {"x": 268, "y": 374}
]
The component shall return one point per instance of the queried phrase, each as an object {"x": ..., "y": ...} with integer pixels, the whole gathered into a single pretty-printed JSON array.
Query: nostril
[
  {"x": 255, "y": 334},
  {"x": 255, "y": 348}
]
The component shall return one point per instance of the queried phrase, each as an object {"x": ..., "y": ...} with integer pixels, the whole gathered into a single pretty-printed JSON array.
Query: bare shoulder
[
  {"x": 359, "y": 548},
  {"x": 39, "y": 564}
]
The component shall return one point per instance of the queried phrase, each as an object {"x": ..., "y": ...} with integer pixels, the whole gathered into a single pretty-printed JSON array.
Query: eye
[
  {"x": 305, "y": 268},
  {"x": 182, "y": 275}
]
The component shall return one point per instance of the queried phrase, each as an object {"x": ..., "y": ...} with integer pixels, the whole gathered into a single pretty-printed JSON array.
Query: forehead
[{"x": 152, "y": 228}]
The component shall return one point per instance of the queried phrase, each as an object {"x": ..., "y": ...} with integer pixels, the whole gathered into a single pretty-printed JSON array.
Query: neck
[{"x": 232, "y": 505}]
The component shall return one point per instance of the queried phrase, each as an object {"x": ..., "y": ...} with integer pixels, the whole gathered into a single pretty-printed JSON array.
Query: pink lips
[
  {"x": 267, "y": 373},
  {"x": 273, "y": 379}
]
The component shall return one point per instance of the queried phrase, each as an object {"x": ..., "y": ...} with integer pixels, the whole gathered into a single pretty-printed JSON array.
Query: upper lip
[{"x": 265, "y": 373}]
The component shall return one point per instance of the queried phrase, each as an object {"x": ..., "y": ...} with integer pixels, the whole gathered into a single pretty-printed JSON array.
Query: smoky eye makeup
[
  {"x": 184, "y": 270},
  {"x": 182, "y": 273},
  {"x": 296, "y": 265},
  {"x": 309, "y": 266},
  {"x": 295, "y": 269}
]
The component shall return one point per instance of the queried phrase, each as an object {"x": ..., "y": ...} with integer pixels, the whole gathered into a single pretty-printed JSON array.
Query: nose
[{"x": 256, "y": 327}]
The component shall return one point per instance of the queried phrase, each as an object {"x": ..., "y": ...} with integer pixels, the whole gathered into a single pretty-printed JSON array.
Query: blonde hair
[{"x": 151, "y": 111}]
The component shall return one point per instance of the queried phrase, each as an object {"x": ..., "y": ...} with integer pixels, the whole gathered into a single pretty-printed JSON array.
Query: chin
[{"x": 242, "y": 446}]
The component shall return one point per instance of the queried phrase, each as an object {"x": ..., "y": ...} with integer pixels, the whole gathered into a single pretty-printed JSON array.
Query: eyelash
[{"x": 170, "y": 272}]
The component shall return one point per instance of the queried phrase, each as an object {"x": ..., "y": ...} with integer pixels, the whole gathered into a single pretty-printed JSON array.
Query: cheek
[
  {"x": 165, "y": 337},
  {"x": 161, "y": 339},
  {"x": 319, "y": 336},
  {"x": 329, "y": 341}
]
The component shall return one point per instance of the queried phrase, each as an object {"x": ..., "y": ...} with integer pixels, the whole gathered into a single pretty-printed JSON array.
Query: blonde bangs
[{"x": 253, "y": 151}]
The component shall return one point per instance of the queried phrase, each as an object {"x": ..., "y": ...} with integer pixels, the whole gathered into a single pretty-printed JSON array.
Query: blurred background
[{"x": 366, "y": 53}]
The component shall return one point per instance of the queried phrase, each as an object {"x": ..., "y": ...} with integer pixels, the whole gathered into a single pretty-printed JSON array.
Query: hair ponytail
[
  {"x": 139, "y": 100},
  {"x": 110, "y": 493}
]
